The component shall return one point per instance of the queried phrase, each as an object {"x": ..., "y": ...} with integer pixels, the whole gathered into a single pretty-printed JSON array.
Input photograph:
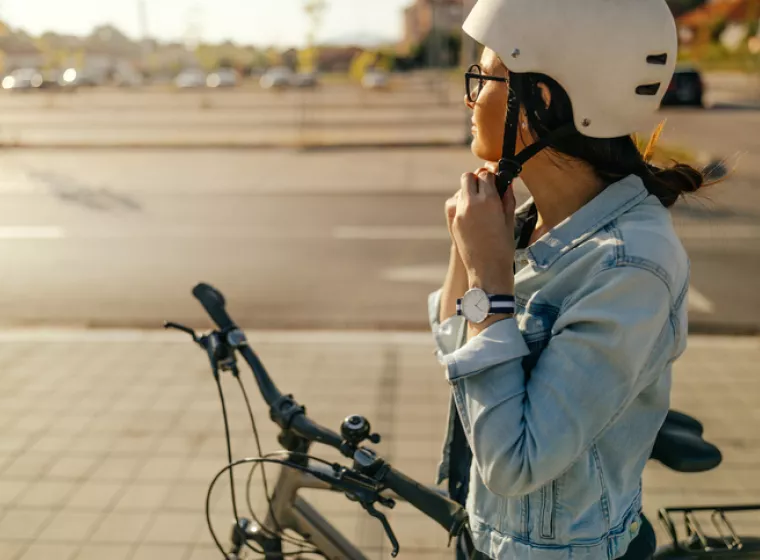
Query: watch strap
[{"x": 498, "y": 303}]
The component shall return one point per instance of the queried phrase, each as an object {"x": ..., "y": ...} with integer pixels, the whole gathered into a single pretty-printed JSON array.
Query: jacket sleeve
[
  {"x": 448, "y": 335},
  {"x": 525, "y": 434}
]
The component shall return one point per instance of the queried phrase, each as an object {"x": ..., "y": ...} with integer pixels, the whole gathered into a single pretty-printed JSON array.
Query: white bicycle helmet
[{"x": 614, "y": 58}]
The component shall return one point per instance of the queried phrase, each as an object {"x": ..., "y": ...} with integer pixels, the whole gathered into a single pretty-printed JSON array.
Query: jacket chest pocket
[{"x": 535, "y": 321}]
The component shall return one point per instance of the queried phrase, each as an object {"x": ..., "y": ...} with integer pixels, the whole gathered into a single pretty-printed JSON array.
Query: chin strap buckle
[{"x": 509, "y": 170}]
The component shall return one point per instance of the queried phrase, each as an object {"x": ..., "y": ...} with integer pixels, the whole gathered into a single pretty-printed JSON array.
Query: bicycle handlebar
[
  {"x": 214, "y": 303},
  {"x": 449, "y": 514}
]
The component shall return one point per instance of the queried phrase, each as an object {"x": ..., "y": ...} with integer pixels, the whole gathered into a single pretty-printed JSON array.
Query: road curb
[
  {"x": 402, "y": 334},
  {"x": 301, "y": 146}
]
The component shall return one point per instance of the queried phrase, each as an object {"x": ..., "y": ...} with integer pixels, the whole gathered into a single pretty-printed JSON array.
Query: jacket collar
[{"x": 603, "y": 209}]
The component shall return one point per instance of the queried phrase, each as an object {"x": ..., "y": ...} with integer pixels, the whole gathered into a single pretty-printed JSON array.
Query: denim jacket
[{"x": 560, "y": 406}]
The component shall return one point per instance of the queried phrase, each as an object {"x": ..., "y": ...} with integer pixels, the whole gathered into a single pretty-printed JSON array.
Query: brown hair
[{"x": 611, "y": 158}]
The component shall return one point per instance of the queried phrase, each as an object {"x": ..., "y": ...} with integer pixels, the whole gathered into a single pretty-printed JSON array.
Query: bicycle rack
[{"x": 697, "y": 541}]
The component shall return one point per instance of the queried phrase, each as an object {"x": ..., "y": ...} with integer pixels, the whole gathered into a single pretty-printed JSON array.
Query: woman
[{"x": 558, "y": 322}]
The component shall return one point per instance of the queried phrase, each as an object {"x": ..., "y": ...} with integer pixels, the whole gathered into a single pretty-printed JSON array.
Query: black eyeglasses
[{"x": 474, "y": 81}]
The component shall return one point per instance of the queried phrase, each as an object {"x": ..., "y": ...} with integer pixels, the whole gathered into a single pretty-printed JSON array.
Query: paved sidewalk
[{"x": 108, "y": 439}]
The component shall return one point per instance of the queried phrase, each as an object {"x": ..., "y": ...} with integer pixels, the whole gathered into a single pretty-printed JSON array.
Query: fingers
[
  {"x": 487, "y": 184},
  {"x": 510, "y": 204},
  {"x": 469, "y": 185}
]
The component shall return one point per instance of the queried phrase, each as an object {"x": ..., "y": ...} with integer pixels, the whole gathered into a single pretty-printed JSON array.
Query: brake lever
[
  {"x": 370, "y": 508},
  {"x": 184, "y": 329}
]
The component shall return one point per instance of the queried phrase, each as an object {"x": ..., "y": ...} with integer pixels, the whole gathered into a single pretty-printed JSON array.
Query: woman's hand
[
  {"x": 483, "y": 230},
  {"x": 451, "y": 203}
]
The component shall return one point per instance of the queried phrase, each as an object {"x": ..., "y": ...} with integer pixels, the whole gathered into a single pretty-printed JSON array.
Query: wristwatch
[{"x": 477, "y": 305}]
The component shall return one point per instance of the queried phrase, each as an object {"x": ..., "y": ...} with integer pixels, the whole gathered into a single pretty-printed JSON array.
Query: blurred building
[
  {"x": 18, "y": 50},
  {"x": 107, "y": 51},
  {"x": 422, "y": 17},
  {"x": 337, "y": 59},
  {"x": 699, "y": 25}
]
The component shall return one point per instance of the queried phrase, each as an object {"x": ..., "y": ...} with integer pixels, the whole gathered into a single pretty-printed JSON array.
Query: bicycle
[{"x": 370, "y": 480}]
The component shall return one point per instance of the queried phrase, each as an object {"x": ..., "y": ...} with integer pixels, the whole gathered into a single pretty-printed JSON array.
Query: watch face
[{"x": 475, "y": 305}]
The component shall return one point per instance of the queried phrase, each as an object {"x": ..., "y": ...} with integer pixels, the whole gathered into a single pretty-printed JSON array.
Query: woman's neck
[{"x": 558, "y": 190}]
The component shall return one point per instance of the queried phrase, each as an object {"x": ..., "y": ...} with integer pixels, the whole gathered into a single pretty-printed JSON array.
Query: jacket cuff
[
  {"x": 447, "y": 335},
  {"x": 499, "y": 343}
]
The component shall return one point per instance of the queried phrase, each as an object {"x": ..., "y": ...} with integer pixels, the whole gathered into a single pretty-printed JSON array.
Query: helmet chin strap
[{"x": 511, "y": 164}]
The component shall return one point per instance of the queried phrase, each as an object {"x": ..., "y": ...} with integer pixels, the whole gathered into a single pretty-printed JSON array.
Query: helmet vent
[
  {"x": 648, "y": 89},
  {"x": 660, "y": 59}
]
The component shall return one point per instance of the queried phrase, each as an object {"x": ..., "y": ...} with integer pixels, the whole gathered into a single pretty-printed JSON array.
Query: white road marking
[
  {"x": 424, "y": 274},
  {"x": 698, "y": 302},
  {"x": 390, "y": 233},
  {"x": 31, "y": 232},
  {"x": 706, "y": 232},
  {"x": 695, "y": 232}
]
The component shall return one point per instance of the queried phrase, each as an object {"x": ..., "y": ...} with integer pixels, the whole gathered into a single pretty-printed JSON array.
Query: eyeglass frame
[{"x": 482, "y": 78}]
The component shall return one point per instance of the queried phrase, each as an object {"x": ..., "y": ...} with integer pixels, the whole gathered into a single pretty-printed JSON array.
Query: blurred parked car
[
  {"x": 73, "y": 78},
  {"x": 375, "y": 79},
  {"x": 24, "y": 79},
  {"x": 304, "y": 80},
  {"x": 224, "y": 77},
  {"x": 191, "y": 78},
  {"x": 277, "y": 77},
  {"x": 128, "y": 78},
  {"x": 686, "y": 88}
]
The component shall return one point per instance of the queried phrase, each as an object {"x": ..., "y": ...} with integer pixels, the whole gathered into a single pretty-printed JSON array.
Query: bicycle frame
[{"x": 291, "y": 511}]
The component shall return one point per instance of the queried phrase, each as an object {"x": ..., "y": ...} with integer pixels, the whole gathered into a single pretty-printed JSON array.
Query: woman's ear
[{"x": 545, "y": 94}]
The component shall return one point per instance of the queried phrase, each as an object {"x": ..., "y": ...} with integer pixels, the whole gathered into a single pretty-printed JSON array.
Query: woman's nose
[{"x": 468, "y": 103}]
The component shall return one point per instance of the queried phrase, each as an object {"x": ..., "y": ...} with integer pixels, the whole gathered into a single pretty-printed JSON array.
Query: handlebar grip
[
  {"x": 213, "y": 302},
  {"x": 449, "y": 514}
]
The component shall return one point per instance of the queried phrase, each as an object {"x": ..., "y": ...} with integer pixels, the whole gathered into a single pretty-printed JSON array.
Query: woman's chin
[{"x": 483, "y": 152}]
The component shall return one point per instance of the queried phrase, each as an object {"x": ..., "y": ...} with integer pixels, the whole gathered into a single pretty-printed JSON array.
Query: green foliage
[
  {"x": 752, "y": 27},
  {"x": 679, "y": 7},
  {"x": 717, "y": 29}
]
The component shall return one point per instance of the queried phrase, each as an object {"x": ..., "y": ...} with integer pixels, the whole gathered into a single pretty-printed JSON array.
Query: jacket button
[{"x": 634, "y": 526}]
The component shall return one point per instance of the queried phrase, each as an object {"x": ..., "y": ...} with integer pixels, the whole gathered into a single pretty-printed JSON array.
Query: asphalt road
[{"x": 336, "y": 239}]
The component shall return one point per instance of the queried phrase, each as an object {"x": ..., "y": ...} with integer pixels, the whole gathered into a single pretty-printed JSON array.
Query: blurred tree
[
  {"x": 717, "y": 29},
  {"x": 315, "y": 11},
  {"x": 429, "y": 52},
  {"x": 362, "y": 62},
  {"x": 385, "y": 60},
  {"x": 679, "y": 7},
  {"x": 206, "y": 56},
  {"x": 308, "y": 59},
  {"x": 752, "y": 28}
]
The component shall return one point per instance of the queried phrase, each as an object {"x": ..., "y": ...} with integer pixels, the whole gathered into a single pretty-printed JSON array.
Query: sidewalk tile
[
  {"x": 186, "y": 496},
  {"x": 175, "y": 528},
  {"x": 119, "y": 527},
  {"x": 72, "y": 467},
  {"x": 142, "y": 497},
  {"x": 29, "y": 465},
  {"x": 103, "y": 552},
  {"x": 46, "y": 493},
  {"x": 47, "y": 551},
  {"x": 96, "y": 496},
  {"x": 161, "y": 469},
  {"x": 70, "y": 526},
  {"x": 116, "y": 469},
  {"x": 164, "y": 552},
  {"x": 22, "y": 523},
  {"x": 11, "y": 550},
  {"x": 10, "y": 490}
]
